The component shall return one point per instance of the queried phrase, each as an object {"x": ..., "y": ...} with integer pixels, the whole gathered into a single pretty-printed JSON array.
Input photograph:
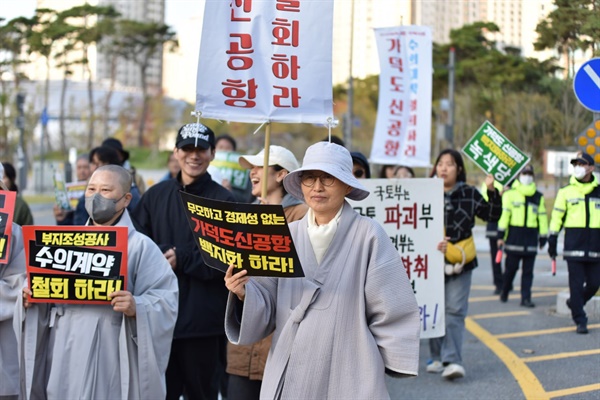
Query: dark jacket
[
  {"x": 461, "y": 205},
  {"x": 250, "y": 360},
  {"x": 202, "y": 292},
  {"x": 577, "y": 210},
  {"x": 523, "y": 220}
]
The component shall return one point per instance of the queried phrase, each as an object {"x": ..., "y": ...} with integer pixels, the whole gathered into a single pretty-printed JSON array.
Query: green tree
[
  {"x": 12, "y": 40},
  {"x": 92, "y": 24},
  {"x": 139, "y": 42},
  {"x": 573, "y": 25},
  {"x": 45, "y": 30}
]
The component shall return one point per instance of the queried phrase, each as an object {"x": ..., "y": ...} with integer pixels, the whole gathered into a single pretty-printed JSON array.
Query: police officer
[
  {"x": 522, "y": 226},
  {"x": 577, "y": 209}
]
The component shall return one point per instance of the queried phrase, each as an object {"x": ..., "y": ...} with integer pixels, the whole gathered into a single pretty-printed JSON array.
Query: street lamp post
[
  {"x": 20, "y": 122},
  {"x": 350, "y": 113}
]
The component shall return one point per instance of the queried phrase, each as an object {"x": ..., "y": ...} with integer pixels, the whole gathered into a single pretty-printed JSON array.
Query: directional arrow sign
[{"x": 587, "y": 85}]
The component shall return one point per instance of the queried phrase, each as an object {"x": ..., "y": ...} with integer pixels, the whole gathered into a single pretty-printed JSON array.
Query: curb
[{"x": 592, "y": 308}]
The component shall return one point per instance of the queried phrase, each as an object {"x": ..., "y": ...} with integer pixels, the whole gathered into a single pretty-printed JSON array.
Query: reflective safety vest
[
  {"x": 577, "y": 209},
  {"x": 523, "y": 219}
]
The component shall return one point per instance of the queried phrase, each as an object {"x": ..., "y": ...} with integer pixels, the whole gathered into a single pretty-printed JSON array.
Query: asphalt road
[{"x": 509, "y": 352}]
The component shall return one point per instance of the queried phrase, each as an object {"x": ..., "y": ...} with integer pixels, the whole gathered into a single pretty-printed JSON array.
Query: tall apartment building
[
  {"x": 353, "y": 23},
  {"x": 127, "y": 73},
  {"x": 517, "y": 19},
  {"x": 443, "y": 16}
]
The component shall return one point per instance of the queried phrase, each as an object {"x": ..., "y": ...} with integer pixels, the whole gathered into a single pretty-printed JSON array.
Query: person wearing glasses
[{"x": 352, "y": 318}]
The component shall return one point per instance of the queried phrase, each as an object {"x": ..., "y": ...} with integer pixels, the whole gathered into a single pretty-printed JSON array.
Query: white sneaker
[
  {"x": 453, "y": 371},
  {"x": 435, "y": 367}
]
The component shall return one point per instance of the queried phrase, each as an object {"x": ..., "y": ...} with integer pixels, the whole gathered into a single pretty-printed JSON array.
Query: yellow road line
[
  {"x": 561, "y": 355},
  {"x": 541, "y": 332},
  {"x": 529, "y": 383},
  {"x": 477, "y": 299},
  {"x": 501, "y": 315},
  {"x": 575, "y": 390},
  {"x": 518, "y": 288}
]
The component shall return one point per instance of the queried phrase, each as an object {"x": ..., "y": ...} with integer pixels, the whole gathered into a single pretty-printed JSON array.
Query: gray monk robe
[
  {"x": 12, "y": 275},
  {"x": 93, "y": 352},
  {"x": 340, "y": 327}
]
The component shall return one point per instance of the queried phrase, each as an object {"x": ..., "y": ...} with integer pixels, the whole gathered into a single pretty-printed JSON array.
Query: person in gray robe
[
  {"x": 116, "y": 351},
  {"x": 12, "y": 275},
  {"x": 352, "y": 318}
]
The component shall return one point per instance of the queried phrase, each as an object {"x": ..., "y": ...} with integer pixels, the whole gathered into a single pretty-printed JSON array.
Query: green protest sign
[{"x": 495, "y": 154}]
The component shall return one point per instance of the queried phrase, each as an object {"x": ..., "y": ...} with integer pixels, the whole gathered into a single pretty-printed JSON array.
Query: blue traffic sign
[{"x": 587, "y": 85}]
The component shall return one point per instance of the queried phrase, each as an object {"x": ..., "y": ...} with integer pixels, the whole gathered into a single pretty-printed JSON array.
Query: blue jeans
[{"x": 448, "y": 348}]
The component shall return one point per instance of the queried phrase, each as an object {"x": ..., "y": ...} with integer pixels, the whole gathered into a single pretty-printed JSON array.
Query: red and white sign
[
  {"x": 266, "y": 61},
  {"x": 403, "y": 127}
]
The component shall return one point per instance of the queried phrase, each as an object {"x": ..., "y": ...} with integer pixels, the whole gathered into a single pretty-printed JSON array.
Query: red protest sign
[
  {"x": 7, "y": 208},
  {"x": 78, "y": 265},
  {"x": 254, "y": 237}
]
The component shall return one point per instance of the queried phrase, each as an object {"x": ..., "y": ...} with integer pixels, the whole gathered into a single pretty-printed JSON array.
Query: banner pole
[{"x": 264, "y": 180}]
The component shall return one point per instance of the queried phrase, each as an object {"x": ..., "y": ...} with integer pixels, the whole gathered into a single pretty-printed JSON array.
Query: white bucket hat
[
  {"x": 277, "y": 156},
  {"x": 329, "y": 158}
]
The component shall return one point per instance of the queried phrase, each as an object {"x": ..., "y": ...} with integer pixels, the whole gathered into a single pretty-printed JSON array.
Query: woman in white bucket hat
[{"x": 352, "y": 318}]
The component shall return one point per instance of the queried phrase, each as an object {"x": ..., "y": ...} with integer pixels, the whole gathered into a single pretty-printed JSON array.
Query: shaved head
[{"x": 122, "y": 177}]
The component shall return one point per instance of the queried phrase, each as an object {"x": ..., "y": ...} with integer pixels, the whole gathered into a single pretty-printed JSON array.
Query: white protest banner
[
  {"x": 411, "y": 212},
  {"x": 266, "y": 61},
  {"x": 403, "y": 126}
]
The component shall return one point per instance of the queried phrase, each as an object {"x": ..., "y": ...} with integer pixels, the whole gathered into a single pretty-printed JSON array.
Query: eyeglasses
[
  {"x": 309, "y": 180},
  {"x": 359, "y": 173}
]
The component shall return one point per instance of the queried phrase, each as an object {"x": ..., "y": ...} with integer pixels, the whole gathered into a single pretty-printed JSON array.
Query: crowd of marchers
[{"x": 181, "y": 328}]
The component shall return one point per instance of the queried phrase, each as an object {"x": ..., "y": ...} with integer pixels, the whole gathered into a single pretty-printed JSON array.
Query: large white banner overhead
[
  {"x": 266, "y": 61},
  {"x": 403, "y": 127}
]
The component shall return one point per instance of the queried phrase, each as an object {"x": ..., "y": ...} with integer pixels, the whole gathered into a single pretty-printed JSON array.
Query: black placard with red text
[
  {"x": 254, "y": 237},
  {"x": 77, "y": 265},
  {"x": 7, "y": 208}
]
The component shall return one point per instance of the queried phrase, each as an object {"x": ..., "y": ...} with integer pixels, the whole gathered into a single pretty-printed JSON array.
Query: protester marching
[{"x": 242, "y": 273}]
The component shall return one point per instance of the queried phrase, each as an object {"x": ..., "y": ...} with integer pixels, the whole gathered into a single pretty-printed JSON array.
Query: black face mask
[{"x": 100, "y": 208}]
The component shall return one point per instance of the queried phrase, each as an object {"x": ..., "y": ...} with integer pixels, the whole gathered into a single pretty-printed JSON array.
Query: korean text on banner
[
  {"x": 403, "y": 127},
  {"x": 411, "y": 212},
  {"x": 7, "y": 209},
  {"x": 254, "y": 237},
  {"x": 495, "y": 154},
  {"x": 266, "y": 61},
  {"x": 77, "y": 265}
]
